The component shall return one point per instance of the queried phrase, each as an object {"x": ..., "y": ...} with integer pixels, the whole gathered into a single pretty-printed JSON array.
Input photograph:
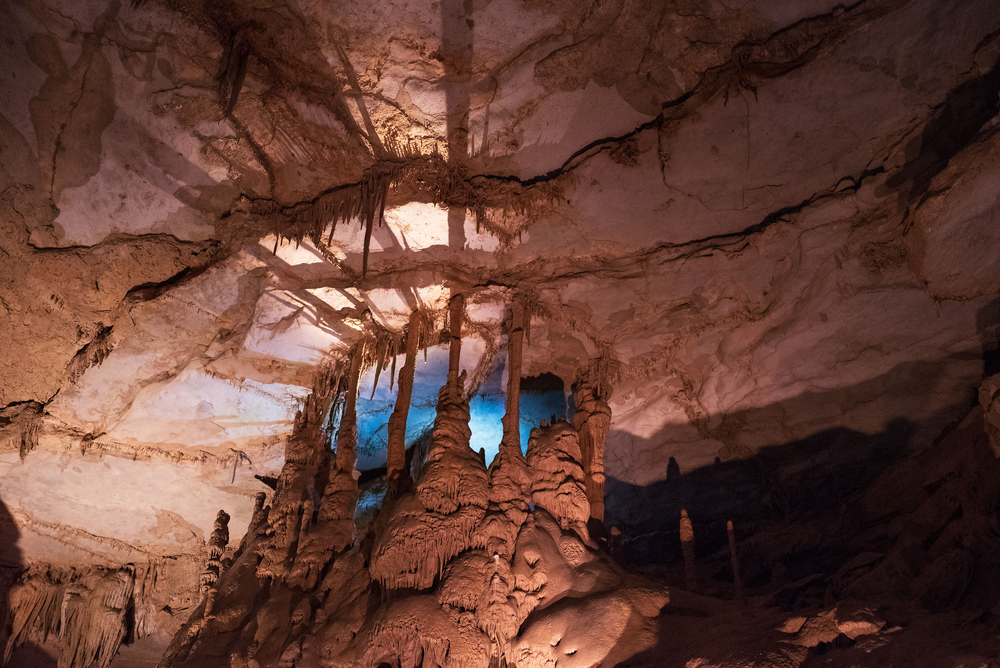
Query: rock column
[
  {"x": 592, "y": 419},
  {"x": 347, "y": 435},
  {"x": 398, "y": 478}
]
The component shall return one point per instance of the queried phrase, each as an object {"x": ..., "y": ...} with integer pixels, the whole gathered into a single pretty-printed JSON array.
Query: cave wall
[{"x": 768, "y": 229}]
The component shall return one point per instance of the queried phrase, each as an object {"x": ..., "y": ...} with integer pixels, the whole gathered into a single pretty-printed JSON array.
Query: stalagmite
[
  {"x": 497, "y": 613},
  {"x": 258, "y": 521},
  {"x": 735, "y": 561},
  {"x": 510, "y": 485},
  {"x": 416, "y": 631},
  {"x": 334, "y": 530},
  {"x": 305, "y": 454},
  {"x": 557, "y": 479},
  {"x": 687, "y": 547},
  {"x": 216, "y": 547},
  {"x": 435, "y": 522},
  {"x": 397, "y": 476},
  {"x": 592, "y": 419}
]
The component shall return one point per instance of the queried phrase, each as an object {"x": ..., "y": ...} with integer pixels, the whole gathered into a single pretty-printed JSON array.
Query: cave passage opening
[{"x": 543, "y": 397}]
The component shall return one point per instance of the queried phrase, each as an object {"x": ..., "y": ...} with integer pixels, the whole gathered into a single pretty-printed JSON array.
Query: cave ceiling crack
[{"x": 707, "y": 87}]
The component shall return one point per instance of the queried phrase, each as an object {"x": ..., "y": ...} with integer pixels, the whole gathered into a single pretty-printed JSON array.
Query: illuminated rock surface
[{"x": 756, "y": 243}]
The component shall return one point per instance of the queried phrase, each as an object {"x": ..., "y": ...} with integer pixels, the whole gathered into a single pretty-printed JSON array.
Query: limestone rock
[
  {"x": 770, "y": 226},
  {"x": 558, "y": 483}
]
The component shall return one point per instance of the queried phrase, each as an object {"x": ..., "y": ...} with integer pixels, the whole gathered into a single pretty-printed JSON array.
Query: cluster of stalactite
[
  {"x": 84, "y": 615},
  {"x": 454, "y": 566},
  {"x": 496, "y": 204},
  {"x": 21, "y": 424}
]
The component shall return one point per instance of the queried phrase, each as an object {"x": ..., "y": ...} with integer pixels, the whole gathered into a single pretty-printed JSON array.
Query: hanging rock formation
[
  {"x": 398, "y": 478},
  {"x": 90, "y": 614}
]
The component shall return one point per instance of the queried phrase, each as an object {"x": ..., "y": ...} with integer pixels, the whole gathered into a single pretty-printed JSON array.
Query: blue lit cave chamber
[{"x": 543, "y": 398}]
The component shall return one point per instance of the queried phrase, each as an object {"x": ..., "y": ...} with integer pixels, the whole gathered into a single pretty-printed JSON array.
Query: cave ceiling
[{"x": 755, "y": 221}]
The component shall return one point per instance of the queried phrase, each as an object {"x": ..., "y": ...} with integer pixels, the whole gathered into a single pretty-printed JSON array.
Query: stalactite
[
  {"x": 734, "y": 559},
  {"x": 347, "y": 435},
  {"x": 398, "y": 479},
  {"x": 456, "y": 308},
  {"x": 366, "y": 200},
  {"x": 592, "y": 419},
  {"x": 93, "y": 354},
  {"x": 22, "y": 425},
  {"x": 378, "y": 348},
  {"x": 687, "y": 547},
  {"x": 88, "y": 613},
  {"x": 235, "y": 60},
  {"x": 216, "y": 547}
]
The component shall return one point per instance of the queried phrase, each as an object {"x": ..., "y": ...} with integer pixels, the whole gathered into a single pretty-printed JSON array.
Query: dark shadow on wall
[
  {"x": 28, "y": 655},
  {"x": 988, "y": 327},
  {"x": 456, "y": 58},
  {"x": 808, "y": 480},
  {"x": 11, "y": 567},
  {"x": 782, "y": 483},
  {"x": 953, "y": 125}
]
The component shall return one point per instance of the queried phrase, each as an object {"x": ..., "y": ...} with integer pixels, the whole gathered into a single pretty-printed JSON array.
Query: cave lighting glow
[{"x": 486, "y": 408}]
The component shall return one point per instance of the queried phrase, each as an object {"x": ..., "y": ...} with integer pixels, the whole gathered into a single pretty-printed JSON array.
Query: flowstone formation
[
  {"x": 754, "y": 243},
  {"x": 454, "y": 573}
]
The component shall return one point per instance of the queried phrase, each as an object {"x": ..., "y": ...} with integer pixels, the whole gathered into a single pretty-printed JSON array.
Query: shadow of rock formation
[{"x": 27, "y": 655}]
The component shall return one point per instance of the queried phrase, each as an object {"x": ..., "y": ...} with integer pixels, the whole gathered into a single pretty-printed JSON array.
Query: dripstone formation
[
  {"x": 506, "y": 333},
  {"x": 451, "y": 576}
]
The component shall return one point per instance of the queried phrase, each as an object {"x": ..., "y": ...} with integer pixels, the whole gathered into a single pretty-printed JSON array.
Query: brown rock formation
[
  {"x": 770, "y": 226},
  {"x": 216, "y": 547},
  {"x": 397, "y": 475},
  {"x": 989, "y": 399},
  {"x": 592, "y": 419},
  {"x": 557, "y": 480},
  {"x": 687, "y": 547}
]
